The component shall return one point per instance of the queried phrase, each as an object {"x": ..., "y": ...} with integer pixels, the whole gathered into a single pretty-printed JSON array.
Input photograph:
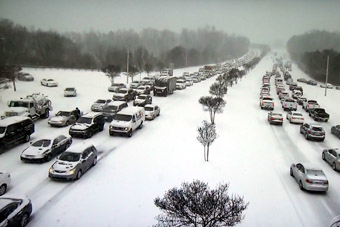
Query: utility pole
[
  {"x": 327, "y": 75},
  {"x": 127, "y": 68}
]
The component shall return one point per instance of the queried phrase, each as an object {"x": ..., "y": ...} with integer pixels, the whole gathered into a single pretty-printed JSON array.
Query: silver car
[
  {"x": 63, "y": 118},
  {"x": 74, "y": 162},
  {"x": 309, "y": 178},
  {"x": 332, "y": 156}
]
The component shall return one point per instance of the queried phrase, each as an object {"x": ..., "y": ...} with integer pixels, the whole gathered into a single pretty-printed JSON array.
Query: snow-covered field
[{"x": 249, "y": 153}]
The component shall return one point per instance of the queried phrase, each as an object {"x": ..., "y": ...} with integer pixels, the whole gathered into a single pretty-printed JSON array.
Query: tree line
[
  {"x": 310, "y": 52},
  {"x": 95, "y": 50}
]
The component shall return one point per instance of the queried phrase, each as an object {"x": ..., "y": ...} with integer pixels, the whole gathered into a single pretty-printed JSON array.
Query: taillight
[
  {"x": 325, "y": 182},
  {"x": 272, "y": 104},
  {"x": 285, "y": 105},
  {"x": 262, "y": 103},
  {"x": 309, "y": 131},
  {"x": 309, "y": 181},
  {"x": 308, "y": 106},
  {"x": 303, "y": 119},
  {"x": 323, "y": 133},
  {"x": 271, "y": 118}
]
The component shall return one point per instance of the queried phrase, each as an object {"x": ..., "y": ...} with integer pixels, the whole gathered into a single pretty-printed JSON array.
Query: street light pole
[
  {"x": 127, "y": 68},
  {"x": 327, "y": 75}
]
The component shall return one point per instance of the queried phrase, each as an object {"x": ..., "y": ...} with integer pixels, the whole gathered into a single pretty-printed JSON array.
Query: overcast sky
[{"x": 259, "y": 20}]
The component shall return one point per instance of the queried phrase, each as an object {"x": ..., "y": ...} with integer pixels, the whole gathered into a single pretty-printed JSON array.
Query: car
[
  {"x": 124, "y": 94},
  {"x": 289, "y": 104},
  {"x": 300, "y": 100},
  {"x": 189, "y": 82},
  {"x": 309, "y": 177},
  {"x": 335, "y": 130},
  {"x": 292, "y": 86},
  {"x": 319, "y": 114},
  {"x": 308, "y": 105},
  {"x": 283, "y": 95},
  {"x": 63, "y": 118},
  {"x": 142, "y": 100},
  {"x": 70, "y": 92},
  {"x": 313, "y": 131},
  {"x": 97, "y": 106},
  {"x": 49, "y": 83},
  {"x": 87, "y": 125},
  {"x": 296, "y": 94},
  {"x": 143, "y": 90},
  {"x": 298, "y": 88},
  {"x": 302, "y": 80},
  {"x": 267, "y": 102},
  {"x": 337, "y": 87},
  {"x": 25, "y": 77},
  {"x": 181, "y": 84},
  {"x": 15, "y": 211},
  {"x": 115, "y": 87},
  {"x": 134, "y": 84},
  {"x": 151, "y": 111},
  {"x": 329, "y": 86},
  {"x": 74, "y": 162},
  {"x": 295, "y": 117},
  {"x": 312, "y": 82},
  {"x": 332, "y": 156},
  {"x": 112, "y": 108},
  {"x": 45, "y": 148},
  {"x": 14, "y": 130},
  {"x": 5, "y": 180},
  {"x": 275, "y": 118}
]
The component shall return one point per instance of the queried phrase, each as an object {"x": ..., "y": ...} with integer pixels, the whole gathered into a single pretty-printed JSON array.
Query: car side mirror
[{"x": 31, "y": 142}]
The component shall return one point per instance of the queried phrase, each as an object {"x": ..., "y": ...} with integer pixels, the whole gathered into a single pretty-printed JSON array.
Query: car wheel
[
  {"x": 27, "y": 138},
  {"x": 67, "y": 122},
  {"x": 3, "y": 189},
  {"x": 101, "y": 128},
  {"x": 141, "y": 125},
  {"x": 301, "y": 185},
  {"x": 47, "y": 113},
  {"x": 334, "y": 166},
  {"x": 291, "y": 172},
  {"x": 95, "y": 160},
  {"x": 48, "y": 157},
  {"x": 323, "y": 156},
  {"x": 24, "y": 220},
  {"x": 79, "y": 174},
  {"x": 89, "y": 134},
  {"x": 159, "y": 113},
  {"x": 306, "y": 136},
  {"x": 130, "y": 133}
]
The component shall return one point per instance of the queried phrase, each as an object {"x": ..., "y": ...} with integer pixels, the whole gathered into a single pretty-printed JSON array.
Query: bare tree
[
  {"x": 148, "y": 68},
  {"x": 112, "y": 71},
  {"x": 9, "y": 73},
  {"x": 206, "y": 136},
  {"x": 194, "y": 204},
  {"x": 213, "y": 105},
  {"x": 218, "y": 89}
]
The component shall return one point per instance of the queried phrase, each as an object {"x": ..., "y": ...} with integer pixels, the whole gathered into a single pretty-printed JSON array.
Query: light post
[{"x": 327, "y": 76}]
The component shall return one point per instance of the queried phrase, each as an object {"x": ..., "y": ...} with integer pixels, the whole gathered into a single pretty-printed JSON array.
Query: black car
[
  {"x": 15, "y": 211},
  {"x": 319, "y": 114},
  {"x": 335, "y": 130},
  {"x": 14, "y": 130},
  {"x": 124, "y": 94},
  {"x": 25, "y": 77},
  {"x": 87, "y": 125},
  {"x": 312, "y": 82},
  {"x": 112, "y": 108}
]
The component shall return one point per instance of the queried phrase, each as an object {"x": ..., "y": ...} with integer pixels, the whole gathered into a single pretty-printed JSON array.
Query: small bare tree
[
  {"x": 8, "y": 73},
  {"x": 112, "y": 71},
  {"x": 213, "y": 105},
  {"x": 148, "y": 68},
  {"x": 218, "y": 90},
  {"x": 194, "y": 204},
  {"x": 206, "y": 136}
]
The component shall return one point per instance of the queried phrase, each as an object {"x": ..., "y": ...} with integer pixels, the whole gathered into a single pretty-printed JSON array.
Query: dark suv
[
  {"x": 15, "y": 211},
  {"x": 112, "y": 108},
  {"x": 124, "y": 94},
  {"x": 87, "y": 125},
  {"x": 313, "y": 131},
  {"x": 15, "y": 130}
]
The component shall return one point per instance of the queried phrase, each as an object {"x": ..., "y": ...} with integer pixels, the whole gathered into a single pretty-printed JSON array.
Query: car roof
[
  {"x": 80, "y": 147},
  {"x": 296, "y": 112},
  {"x": 275, "y": 113},
  {"x": 4, "y": 202},
  {"x": 11, "y": 120},
  {"x": 150, "y": 105},
  {"x": 91, "y": 114},
  {"x": 310, "y": 166},
  {"x": 130, "y": 110},
  {"x": 49, "y": 137},
  {"x": 116, "y": 103},
  {"x": 315, "y": 125}
]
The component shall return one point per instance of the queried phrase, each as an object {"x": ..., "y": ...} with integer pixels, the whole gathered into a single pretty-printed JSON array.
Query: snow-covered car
[
  {"x": 112, "y": 108},
  {"x": 134, "y": 84},
  {"x": 87, "y": 125},
  {"x": 309, "y": 177},
  {"x": 151, "y": 111},
  {"x": 49, "y": 83},
  {"x": 289, "y": 104},
  {"x": 74, "y": 162},
  {"x": 143, "y": 90},
  {"x": 142, "y": 100},
  {"x": 335, "y": 130},
  {"x": 300, "y": 100},
  {"x": 63, "y": 118},
  {"x": 302, "y": 80},
  {"x": 5, "y": 180},
  {"x": 313, "y": 131},
  {"x": 296, "y": 94},
  {"x": 295, "y": 117},
  {"x": 267, "y": 102},
  {"x": 283, "y": 95},
  {"x": 14, "y": 211},
  {"x": 188, "y": 81},
  {"x": 329, "y": 86},
  {"x": 70, "y": 92},
  {"x": 309, "y": 105},
  {"x": 25, "y": 77},
  {"x": 124, "y": 94},
  {"x": 312, "y": 82},
  {"x": 275, "y": 118},
  {"x": 98, "y": 105},
  {"x": 332, "y": 156},
  {"x": 116, "y": 86},
  {"x": 180, "y": 84},
  {"x": 45, "y": 148}
]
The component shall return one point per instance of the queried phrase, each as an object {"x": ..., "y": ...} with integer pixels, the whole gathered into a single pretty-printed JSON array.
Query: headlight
[
  {"x": 127, "y": 129},
  {"x": 72, "y": 171},
  {"x": 51, "y": 170}
]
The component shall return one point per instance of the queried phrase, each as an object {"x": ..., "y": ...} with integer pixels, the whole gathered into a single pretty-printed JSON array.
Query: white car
[
  {"x": 295, "y": 117},
  {"x": 49, "y": 83},
  {"x": 180, "y": 84},
  {"x": 189, "y": 81},
  {"x": 44, "y": 149},
  {"x": 115, "y": 87},
  {"x": 143, "y": 90},
  {"x": 99, "y": 104},
  {"x": 151, "y": 111},
  {"x": 308, "y": 177},
  {"x": 70, "y": 91},
  {"x": 5, "y": 180}
]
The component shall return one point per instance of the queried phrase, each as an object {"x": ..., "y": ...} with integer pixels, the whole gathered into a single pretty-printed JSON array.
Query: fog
[{"x": 261, "y": 21}]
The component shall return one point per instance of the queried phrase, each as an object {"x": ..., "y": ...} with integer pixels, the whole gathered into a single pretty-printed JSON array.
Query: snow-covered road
[{"x": 249, "y": 153}]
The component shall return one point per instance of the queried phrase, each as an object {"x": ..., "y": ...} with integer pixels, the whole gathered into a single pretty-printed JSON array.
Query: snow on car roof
[
  {"x": 49, "y": 137},
  {"x": 150, "y": 105},
  {"x": 91, "y": 114},
  {"x": 115, "y": 103},
  {"x": 131, "y": 110},
  {"x": 80, "y": 147},
  {"x": 11, "y": 120},
  {"x": 309, "y": 166}
]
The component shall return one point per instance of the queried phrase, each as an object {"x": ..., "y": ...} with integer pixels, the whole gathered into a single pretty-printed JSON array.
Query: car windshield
[
  {"x": 122, "y": 117},
  {"x": 41, "y": 143},
  {"x": 110, "y": 108},
  {"x": 84, "y": 120},
  {"x": 141, "y": 88},
  {"x": 19, "y": 104},
  {"x": 100, "y": 101},
  {"x": 69, "y": 157},
  {"x": 297, "y": 114},
  {"x": 63, "y": 113},
  {"x": 148, "y": 108},
  {"x": 317, "y": 129},
  {"x": 122, "y": 91},
  {"x": 315, "y": 172},
  {"x": 276, "y": 114},
  {"x": 69, "y": 89},
  {"x": 2, "y": 130},
  {"x": 117, "y": 85},
  {"x": 141, "y": 97},
  {"x": 50, "y": 80},
  {"x": 320, "y": 110},
  {"x": 312, "y": 102}
]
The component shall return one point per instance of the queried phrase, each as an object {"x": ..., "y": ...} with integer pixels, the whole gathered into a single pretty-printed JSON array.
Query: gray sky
[{"x": 259, "y": 20}]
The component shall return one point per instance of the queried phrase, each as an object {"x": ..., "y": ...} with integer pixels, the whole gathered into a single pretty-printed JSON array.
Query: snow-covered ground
[{"x": 249, "y": 153}]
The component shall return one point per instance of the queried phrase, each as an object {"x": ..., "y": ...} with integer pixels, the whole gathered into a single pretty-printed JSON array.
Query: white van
[{"x": 127, "y": 120}]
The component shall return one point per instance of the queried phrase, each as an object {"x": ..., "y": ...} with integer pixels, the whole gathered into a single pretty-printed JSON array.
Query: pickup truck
[
  {"x": 283, "y": 95},
  {"x": 289, "y": 104},
  {"x": 267, "y": 103},
  {"x": 319, "y": 114},
  {"x": 310, "y": 104}
]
